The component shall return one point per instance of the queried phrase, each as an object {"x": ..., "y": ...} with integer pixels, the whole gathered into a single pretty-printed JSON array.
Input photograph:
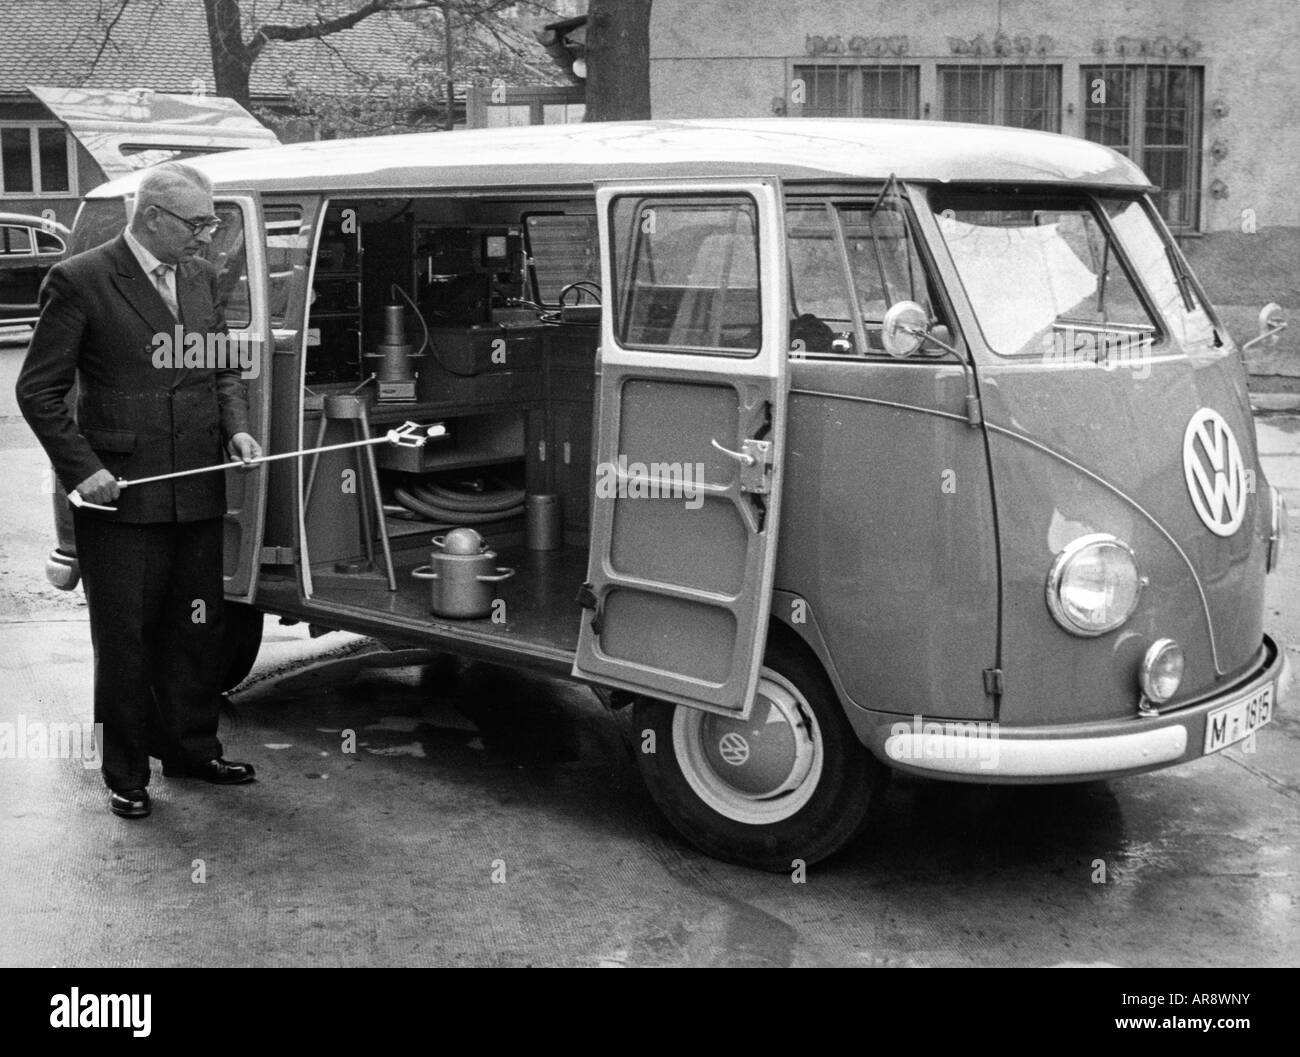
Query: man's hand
[
  {"x": 243, "y": 448},
  {"x": 100, "y": 487}
]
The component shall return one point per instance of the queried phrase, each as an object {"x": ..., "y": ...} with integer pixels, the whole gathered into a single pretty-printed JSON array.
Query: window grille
[
  {"x": 1019, "y": 96},
  {"x": 857, "y": 90},
  {"x": 1152, "y": 113}
]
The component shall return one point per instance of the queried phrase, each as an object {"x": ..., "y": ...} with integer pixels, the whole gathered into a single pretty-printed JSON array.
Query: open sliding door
[
  {"x": 690, "y": 438},
  {"x": 238, "y": 250}
]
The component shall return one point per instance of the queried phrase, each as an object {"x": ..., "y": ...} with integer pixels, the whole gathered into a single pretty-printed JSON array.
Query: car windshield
[{"x": 1047, "y": 273}]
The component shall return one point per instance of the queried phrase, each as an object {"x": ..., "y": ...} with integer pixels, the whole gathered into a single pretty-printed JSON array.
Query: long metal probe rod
[
  {"x": 405, "y": 437},
  {"x": 233, "y": 464}
]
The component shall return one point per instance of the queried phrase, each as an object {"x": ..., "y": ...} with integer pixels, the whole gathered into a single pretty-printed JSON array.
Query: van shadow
[
  {"x": 922, "y": 827},
  {"x": 508, "y": 735},
  {"x": 493, "y": 731}
]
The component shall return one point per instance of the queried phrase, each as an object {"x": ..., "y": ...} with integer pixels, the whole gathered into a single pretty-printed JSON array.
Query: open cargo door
[
  {"x": 238, "y": 249},
  {"x": 690, "y": 439}
]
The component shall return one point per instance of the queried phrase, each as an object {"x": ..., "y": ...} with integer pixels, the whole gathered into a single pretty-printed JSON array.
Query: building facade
[{"x": 1203, "y": 95}]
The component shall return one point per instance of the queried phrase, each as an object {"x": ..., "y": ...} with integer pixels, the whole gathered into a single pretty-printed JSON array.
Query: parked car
[{"x": 29, "y": 247}]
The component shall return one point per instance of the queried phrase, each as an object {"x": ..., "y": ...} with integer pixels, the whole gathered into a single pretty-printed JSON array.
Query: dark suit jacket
[{"x": 101, "y": 317}]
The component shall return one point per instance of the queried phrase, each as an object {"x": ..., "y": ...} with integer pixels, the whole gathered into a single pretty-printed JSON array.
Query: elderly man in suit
[{"x": 153, "y": 568}]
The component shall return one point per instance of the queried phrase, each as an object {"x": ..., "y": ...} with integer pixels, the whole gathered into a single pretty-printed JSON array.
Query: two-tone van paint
[{"x": 981, "y": 498}]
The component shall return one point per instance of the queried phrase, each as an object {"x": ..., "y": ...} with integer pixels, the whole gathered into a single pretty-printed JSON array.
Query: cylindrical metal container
[
  {"x": 393, "y": 353},
  {"x": 461, "y": 585},
  {"x": 542, "y": 523}
]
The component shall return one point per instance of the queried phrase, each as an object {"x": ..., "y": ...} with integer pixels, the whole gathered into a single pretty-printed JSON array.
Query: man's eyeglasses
[{"x": 197, "y": 226}]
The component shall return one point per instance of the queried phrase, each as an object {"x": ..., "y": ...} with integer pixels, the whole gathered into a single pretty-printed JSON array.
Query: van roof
[{"x": 572, "y": 156}]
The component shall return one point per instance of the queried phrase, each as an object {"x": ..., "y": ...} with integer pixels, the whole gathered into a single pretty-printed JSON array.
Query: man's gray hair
[{"x": 160, "y": 183}]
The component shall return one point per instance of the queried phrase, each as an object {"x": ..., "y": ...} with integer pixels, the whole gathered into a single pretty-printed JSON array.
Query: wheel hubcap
[{"x": 759, "y": 770}]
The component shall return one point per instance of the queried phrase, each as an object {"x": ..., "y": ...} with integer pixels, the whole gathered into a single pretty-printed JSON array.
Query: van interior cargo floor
[{"x": 540, "y": 600}]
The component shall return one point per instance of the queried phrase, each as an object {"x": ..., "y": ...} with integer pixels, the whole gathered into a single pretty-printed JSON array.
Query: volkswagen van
[{"x": 830, "y": 448}]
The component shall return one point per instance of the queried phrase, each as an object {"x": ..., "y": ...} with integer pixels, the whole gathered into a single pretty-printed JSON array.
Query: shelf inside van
[{"x": 472, "y": 440}]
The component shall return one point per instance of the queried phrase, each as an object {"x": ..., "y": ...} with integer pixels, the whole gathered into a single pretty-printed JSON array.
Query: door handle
[
  {"x": 742, "y": 457},
  {"x": 755, "y": 458}
]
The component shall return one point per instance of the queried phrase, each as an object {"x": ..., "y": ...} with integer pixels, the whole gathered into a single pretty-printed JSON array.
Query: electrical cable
[{"x": 428, "y": 338}]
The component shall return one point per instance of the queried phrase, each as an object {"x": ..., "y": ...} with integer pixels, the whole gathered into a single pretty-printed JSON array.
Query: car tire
[{"x": 792, "y": 783}]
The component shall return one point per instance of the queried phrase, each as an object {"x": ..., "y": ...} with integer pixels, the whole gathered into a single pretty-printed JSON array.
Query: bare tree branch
[
  {"x": 241, "y": 31},
  {"x": 108, "y": 33},
  {"x": 343, "y": 60},
  {"x": 324, "y": 27}
]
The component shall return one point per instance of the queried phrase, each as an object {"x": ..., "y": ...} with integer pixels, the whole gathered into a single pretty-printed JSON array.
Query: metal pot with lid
[{"x": 462, "y": 574}]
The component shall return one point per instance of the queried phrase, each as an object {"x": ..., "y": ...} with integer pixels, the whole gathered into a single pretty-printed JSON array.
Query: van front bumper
[{"x": 988, "y": 752}]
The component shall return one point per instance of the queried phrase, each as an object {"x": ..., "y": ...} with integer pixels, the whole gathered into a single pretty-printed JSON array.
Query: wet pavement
[
  {"x": 488, "y": 818},
  {"x": 492, "y": 818}
]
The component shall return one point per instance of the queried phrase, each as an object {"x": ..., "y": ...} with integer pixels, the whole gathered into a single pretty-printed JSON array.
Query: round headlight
[
  {"x": 1093, "y": 586},
  {"x": 1162, "y": 670}
]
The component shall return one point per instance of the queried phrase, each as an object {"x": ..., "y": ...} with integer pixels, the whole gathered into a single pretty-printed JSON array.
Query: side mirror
[
  {"x": 1272, "y": 321},
  {"x": 904, "y": 329}
]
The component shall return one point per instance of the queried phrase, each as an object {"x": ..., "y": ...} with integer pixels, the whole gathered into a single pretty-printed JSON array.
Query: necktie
[{"x": 161, "y": 281}]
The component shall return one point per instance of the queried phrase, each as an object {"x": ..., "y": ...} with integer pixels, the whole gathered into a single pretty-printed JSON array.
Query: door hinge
[
  {"x": 974, "y": 411},
  {"x": 993, "y": 682},
  {"x": 279, "y": 556},
  {"x": 588, "y": 600}
]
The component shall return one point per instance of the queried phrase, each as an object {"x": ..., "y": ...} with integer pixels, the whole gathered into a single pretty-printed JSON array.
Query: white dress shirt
[{"x": 166, "y": 284}]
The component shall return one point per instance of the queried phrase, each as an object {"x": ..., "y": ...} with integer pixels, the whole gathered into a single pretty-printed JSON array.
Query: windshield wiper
[
  {"x": 1182, "y": 277},
  {"x": 1105, "y": 272},
  {"x": 1186, "y": 288},
  {"x": 891, "y": 185}
]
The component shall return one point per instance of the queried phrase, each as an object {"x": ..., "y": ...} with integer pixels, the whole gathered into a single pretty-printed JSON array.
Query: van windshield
[{"x": 1046, "y": 275}]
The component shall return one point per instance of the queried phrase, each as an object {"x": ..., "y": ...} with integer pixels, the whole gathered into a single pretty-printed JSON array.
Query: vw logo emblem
[
  {"x": 1215, "y": 474},
  {"x": 734, "y": 749}
]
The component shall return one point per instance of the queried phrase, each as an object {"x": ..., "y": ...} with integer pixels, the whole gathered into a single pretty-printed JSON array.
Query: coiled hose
[
  {"x": 460, "y": 508},
  {"x": 472, "y": 502}
]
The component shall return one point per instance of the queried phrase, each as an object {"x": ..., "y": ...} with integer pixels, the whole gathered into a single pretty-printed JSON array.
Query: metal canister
[
  {"x": 542, "y": 522},
  {"x": 462, "y": 573}
]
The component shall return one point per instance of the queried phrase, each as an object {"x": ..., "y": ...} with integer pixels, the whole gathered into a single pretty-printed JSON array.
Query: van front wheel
[{"x": 789, "y": 783}]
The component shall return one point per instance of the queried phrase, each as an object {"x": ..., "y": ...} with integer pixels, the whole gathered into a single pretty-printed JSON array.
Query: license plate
[{"x": 1232, "y": 722}]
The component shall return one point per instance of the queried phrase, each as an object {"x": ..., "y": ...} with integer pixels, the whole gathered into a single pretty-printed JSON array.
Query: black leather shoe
[
  {"x": 218, "y": 771},
  {"x": 129, "y": 803}
]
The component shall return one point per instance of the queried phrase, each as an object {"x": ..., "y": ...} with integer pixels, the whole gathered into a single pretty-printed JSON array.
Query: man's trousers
[{"x": 155, "y": 597}]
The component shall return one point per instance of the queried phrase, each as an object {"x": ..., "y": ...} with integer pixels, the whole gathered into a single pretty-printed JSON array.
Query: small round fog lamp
[{"x": 1162, "y": 670}]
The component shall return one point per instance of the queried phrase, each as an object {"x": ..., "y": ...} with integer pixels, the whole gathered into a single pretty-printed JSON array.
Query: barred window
[
  {"x": 1152, "y": 114},
  {"x": 1019, "y": 96},
  {"x": 856, "y": 90}
]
